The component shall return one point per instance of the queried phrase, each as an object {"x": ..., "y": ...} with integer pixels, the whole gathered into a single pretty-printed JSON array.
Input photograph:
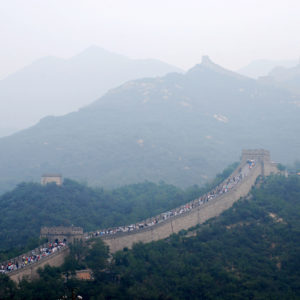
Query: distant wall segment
[{"x": 199, "y": 214}]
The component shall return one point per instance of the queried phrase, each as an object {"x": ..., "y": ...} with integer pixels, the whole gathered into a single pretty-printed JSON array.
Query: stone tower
[
  {"x": 49, "y": 178},
  {"x": 62, "y": 233},
  {"x": 260, "y": 156}
]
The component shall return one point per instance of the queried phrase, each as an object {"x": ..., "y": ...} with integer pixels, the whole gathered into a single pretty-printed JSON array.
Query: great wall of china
[{"x": 193, "y": 217}]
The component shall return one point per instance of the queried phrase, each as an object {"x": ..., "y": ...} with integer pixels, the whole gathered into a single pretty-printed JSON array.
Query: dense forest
[
  {"x": 30, "y": 206},
  {"x": 252, "y": 251}
]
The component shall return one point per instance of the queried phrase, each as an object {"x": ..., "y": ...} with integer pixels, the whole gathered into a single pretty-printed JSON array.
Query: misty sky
[{"x": 231, "y": 32}]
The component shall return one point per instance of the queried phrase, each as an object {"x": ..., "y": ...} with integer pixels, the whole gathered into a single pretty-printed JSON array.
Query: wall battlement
[
  {"x": 191, "y": 218},
  {"x": 259, "y": 155},
  {"x": 200, "y": 214},
  {"x": 31, "y": 271}
]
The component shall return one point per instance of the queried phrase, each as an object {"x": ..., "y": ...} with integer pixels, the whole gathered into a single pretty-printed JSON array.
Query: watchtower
[
  {"x": 260, "y": 156},
  {"x": 61, "y": 233},
  {"x": 48, "y": 178}
]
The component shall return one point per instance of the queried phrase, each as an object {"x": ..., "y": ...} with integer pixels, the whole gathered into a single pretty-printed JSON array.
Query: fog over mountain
[
  {"x": 287, "y": 78},
  {"x": 55, "y": 86},
  {"x": 7, "y": 131},
  {"x": 180, "y": 128},
  {"x": 262, "y": 67}
]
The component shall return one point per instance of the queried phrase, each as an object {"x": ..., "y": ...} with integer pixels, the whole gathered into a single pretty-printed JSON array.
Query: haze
[
  {"x": 232, "y": 32},
  {"x": 149, "y": 149}
]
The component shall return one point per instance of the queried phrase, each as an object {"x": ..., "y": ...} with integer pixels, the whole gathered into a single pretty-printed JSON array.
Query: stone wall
[
  {"x": 271, "y": 168},
  {"x": 191, "y": 218},
  {"x": 162, "y": 230},
  {"x": 30, "y": 272}
]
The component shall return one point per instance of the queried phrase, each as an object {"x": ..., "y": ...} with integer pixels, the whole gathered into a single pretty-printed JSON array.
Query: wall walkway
[
  {"x": 191, "y": 218},
  {"x": 195, "y": 216},
  {"x": 30, "y": 272}
]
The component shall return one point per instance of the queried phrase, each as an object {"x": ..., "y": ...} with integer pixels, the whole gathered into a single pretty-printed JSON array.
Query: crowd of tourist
[
  {"x": 34, "y": 256},
  {"x": 50, "y": 248},
  {"x": 221, "y": 189}
]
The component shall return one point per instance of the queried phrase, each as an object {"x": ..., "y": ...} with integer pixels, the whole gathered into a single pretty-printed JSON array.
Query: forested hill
[
  {"x": 30, "y": 206},
  {"x": 180, "y": 128},
  {"x": 252, "y": 251}
]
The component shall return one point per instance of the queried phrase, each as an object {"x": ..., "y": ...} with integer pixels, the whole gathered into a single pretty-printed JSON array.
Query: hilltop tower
[{"x": 48, "y": 178}]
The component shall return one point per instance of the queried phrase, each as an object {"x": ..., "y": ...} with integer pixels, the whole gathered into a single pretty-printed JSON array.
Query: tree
[
  {"x": 97, "y": 258},
  {"x": 7, "y": 287}
]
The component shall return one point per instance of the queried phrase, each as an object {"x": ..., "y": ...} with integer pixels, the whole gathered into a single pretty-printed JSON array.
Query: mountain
[
  {"x": 55, "y": 86},
  {"x": 180, "y": 128},
  {"x": 262, "y": 67},
  {"x": 287, "y": 78},
  {"x": 7, "y": 131}
]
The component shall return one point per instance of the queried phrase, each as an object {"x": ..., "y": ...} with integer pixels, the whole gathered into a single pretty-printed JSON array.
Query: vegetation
[
  {"x": 251, "y": 251},
  {"x": 30, "y": 206},
  {"x": 295, "y": 168}
]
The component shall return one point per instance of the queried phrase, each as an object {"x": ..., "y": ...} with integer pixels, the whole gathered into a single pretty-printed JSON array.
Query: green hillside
[
  {"x": 252, "y": 251},
  {"x": 181, "y": 128},
  {"x": 30, "y": 206}
]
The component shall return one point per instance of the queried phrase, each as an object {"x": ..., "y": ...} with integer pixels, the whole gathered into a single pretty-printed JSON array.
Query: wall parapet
[
  {"x": 30, "y": 271},
  {"x": 184, "y": 214},
  {"x": 198, "y": 214}
]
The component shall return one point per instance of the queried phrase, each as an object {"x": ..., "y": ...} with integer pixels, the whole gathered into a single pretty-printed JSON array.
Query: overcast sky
[{"x": 231, "y": 32}]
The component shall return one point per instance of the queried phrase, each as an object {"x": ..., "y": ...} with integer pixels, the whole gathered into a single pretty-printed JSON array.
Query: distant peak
[
  {"x": 96, "y": 52},
  {"x": 208, "y": 65},
  {"x": 206, "y": 60},
  {"x": 93, "y": 49}
]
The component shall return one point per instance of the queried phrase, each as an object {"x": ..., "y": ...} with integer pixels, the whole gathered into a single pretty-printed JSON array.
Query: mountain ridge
[
  {"x": 56, "y": 86},
  {"x": 285, "y": 78},
  {"x": 261, "y": 67},
  {"x": 179, "y": 128}
]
